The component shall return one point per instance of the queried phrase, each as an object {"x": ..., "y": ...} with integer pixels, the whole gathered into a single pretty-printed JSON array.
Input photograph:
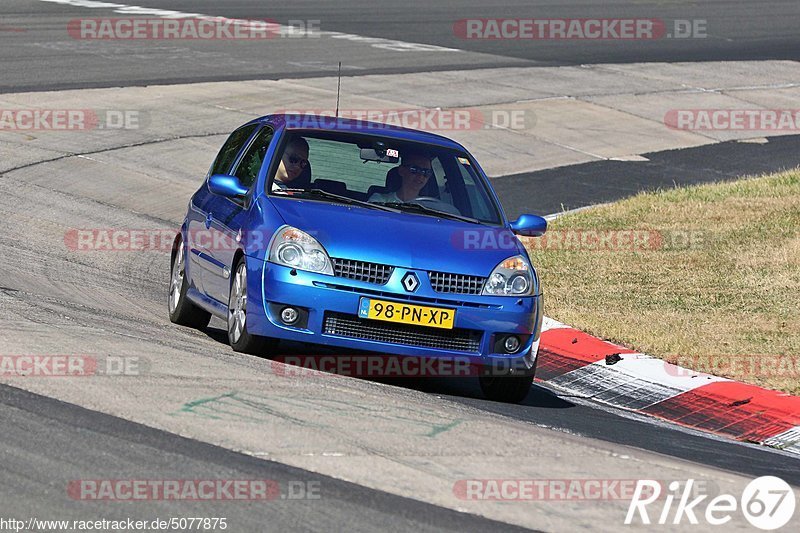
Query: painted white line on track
[
  {"x": 548, "y": 324},
  {"x": 374, "y": 42},
  {"x": 788, "y": 441},
  {"x": 639, "y": 417},
  {"x": 614, "y": 388},
  {"x": 654, "y": 370},
  {"x": 635, "y": 381}
]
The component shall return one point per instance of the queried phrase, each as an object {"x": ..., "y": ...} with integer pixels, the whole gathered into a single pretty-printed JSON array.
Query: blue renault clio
[{"x": 360, "y": 236}]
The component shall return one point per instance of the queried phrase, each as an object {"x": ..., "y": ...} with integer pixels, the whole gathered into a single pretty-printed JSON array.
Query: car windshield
[{"x": 418, "y": 178}]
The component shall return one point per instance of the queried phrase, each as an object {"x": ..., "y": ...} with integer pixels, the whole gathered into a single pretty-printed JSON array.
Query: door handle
[{"x": 208, "y": 220}]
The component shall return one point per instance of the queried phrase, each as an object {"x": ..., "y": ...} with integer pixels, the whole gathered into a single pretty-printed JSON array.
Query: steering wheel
[{"x": 439, "y": 204}]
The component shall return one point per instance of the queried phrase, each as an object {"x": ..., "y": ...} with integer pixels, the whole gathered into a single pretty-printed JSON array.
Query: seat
[
  {"x": 393, "y": 182},
  {"x": 303, "y": 180}
]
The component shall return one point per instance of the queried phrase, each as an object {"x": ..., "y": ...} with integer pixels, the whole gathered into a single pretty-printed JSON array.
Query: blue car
[{"x": 360, "y": 236}]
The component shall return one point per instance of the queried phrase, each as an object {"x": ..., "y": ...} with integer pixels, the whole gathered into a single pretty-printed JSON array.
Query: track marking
[
  {"x": 604, "y": 373},
  {"x": 788, "y": 440},
  {"x": 635, "y": 381}
]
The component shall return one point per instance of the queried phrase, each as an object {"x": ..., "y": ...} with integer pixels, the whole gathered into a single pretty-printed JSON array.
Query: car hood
[{"x": 400, "y": 239}]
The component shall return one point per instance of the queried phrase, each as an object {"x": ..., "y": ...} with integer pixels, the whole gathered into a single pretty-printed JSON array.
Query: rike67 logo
[{"x": 767, "y": 503}]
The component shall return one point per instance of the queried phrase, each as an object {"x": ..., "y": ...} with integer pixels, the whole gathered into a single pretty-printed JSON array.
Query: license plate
[{"x": 419, "y": 315}]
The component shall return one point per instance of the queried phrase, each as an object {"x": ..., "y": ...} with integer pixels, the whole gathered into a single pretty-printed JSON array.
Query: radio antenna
[{"x": 338, "y": 88}]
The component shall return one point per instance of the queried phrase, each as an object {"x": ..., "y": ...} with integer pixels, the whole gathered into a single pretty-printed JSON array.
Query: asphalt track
[
  {"x": 569, "y": 414},
  {"x": 34, "y": 478},
  {"x": 576, "y": 186},
  {"x": 70, "y": 441},
  {"x": 39, "y": 54}
]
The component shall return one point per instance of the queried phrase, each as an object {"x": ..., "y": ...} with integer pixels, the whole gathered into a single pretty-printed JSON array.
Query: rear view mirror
[
  {"x": 529, "y": 226},
  {"x": 382, "y": 156}
]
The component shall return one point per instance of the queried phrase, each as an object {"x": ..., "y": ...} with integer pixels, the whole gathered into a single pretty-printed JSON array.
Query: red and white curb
[{"x": 579, "y": 363}]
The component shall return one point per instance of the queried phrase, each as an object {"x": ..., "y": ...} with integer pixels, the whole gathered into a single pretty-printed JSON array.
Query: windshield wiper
[
  {"x": 411, "y": 206},
  {"x": 319, "y": 193}
]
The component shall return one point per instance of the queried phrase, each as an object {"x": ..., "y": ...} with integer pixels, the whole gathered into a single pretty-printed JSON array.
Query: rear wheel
[
  {"x": 238, "y": 337},
  {"x": 181, "y": 310},
  {"x": 509, "y": 389}
]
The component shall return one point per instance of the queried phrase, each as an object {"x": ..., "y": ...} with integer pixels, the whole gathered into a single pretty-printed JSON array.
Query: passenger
[
  {"x": 293, "y": 162},
  {"x": 415, "y": 171}
]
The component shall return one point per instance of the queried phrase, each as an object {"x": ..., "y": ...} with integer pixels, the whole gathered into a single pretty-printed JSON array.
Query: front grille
[
  {"x": 457, "y": 339},
  {"x": 456, "y": 283},
  {"x": 413, "y": 298},
  {"x": 362, "y": 271}
]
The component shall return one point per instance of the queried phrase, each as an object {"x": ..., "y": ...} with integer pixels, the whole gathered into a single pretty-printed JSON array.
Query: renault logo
[{"x": 410, "y": 282}]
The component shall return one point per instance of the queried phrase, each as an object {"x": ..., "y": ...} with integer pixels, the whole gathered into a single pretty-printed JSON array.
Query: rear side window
[
  {"x": 251, "y": 162},
  {"x": 231, "y": 148}
]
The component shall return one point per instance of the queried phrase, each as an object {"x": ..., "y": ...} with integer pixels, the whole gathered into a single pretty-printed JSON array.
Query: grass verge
[{"x": 707, "y": 277}]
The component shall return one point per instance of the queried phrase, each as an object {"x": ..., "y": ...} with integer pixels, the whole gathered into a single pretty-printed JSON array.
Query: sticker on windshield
[
  {"x": 391, "y": 152},
  {"x": 463, "y": 160}
]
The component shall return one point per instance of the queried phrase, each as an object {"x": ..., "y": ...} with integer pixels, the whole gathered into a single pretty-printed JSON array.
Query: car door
[
  {"x": 228, "y": 216},
  {"x": 203, "y": 269}
]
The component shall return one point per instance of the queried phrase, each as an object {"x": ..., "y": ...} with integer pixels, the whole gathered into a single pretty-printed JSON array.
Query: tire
[
  {"x": 238, "y": 337},
  {"x": 508, "y": 389},
  {"x": 181, "y": 310}
]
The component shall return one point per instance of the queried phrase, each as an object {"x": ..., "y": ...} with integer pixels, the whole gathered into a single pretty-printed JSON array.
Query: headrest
[{"x": 393, "y": 180}]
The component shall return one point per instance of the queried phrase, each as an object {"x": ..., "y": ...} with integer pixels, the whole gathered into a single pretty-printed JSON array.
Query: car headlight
[
  {"x": 294, "y": 248},
  {"x": 512, "y": 277}
]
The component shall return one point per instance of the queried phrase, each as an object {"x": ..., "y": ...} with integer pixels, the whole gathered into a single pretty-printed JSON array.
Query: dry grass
[{"x": 728, "y": 303}]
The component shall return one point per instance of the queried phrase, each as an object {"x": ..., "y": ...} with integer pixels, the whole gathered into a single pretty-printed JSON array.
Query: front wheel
[
  {"x": 238, "y": 337},
  {"x": 181, "y": 310},
  {"x": 509, "y": 389}
]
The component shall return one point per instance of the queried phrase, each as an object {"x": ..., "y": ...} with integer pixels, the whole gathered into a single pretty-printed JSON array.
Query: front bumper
[{"x": 332, "y": 303}]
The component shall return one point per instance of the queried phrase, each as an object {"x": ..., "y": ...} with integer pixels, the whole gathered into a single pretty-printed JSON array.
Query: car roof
[{"x": 324, "y": 123}]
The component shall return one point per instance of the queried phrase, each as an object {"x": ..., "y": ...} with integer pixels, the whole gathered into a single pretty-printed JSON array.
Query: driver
[
  {"x": 415, "y": 171},
  {"x": 293, "y": 162}
]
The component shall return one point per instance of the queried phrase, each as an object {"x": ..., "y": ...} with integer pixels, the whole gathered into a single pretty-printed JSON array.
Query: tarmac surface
[{"x": 386, "y": 455}]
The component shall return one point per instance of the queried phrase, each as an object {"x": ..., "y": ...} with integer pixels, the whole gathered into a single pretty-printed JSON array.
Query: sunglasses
[
  {"x": 427, "y": 172},
  {"x": 294, "y": 160}
]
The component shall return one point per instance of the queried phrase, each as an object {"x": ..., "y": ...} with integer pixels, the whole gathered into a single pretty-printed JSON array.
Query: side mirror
[
  {"x": 529, "y": 226},
  {"x": 228, "y": 186}
]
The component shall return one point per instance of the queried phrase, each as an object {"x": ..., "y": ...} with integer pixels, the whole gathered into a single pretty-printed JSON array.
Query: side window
[
  {"x": 231, "y": 148},
  {"x": 478, "y": 199},
  {"x": 248, "y": 168}
]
